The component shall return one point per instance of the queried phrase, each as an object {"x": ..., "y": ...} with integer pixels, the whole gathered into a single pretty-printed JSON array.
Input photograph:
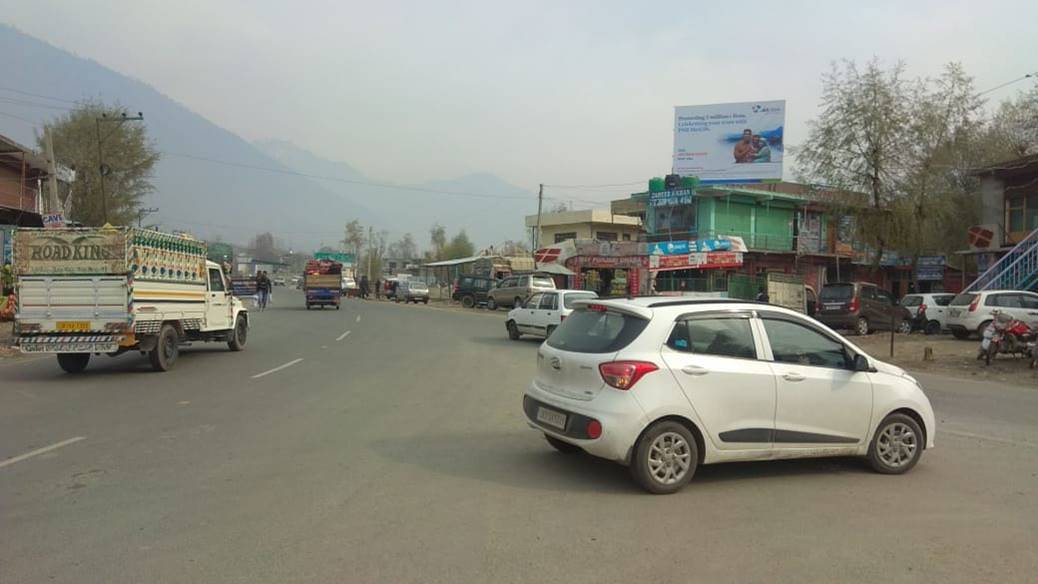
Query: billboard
[{"x": 730, "y": 142}]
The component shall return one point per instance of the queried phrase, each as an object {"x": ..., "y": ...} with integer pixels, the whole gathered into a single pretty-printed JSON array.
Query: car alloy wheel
[
  {"x": 897, "y": 445},
  {"x": 670, "y": 458},
  {"x": 862, "y": 327}
]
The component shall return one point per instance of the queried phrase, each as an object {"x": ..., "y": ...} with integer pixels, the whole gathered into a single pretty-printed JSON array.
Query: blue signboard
[{"x": 668, "y": 248}]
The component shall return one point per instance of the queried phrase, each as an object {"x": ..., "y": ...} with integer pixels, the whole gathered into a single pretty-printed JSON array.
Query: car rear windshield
[
  {"x": 942, "y": 299},
  {"x": 417, "y": 286},
  {"x": 963, "y": 299},
  {"x": 837, "y": 292},
  {"x": 571, "y": 298},
  {"x": 590, "y": 331},
  {"x": 911, "y": 301},
  {"x": 544, "y": 282}
]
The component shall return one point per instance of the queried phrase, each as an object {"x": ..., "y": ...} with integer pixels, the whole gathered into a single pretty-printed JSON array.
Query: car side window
[
  {"x": 215, "y": 281},
  {"x": 885, "y": 297},
  {"x": 549, "y": 302},
  {"x": 993, "y": 300},
  {"x": 1028, "y": 301},
  {"x": 524, "y": 281},
  {"x": 720, "y": 336},
  {"x": 798, "y": 344},
  {"x": 534, "y": 302},
  {"x": 507, "y": 283},
  {"x": 868, "y": 292}
]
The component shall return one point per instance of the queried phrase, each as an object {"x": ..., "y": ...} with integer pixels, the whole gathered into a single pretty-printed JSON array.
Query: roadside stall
[{"x": 608, "y": 268}]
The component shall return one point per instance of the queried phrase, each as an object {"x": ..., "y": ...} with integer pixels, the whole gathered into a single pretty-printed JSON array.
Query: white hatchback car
[
  {"x": 929, "y": 310},
  {"x": 971, "y": 312},
  {"x": 664, "y": 385},
  {"x": 543, "y": 312}
]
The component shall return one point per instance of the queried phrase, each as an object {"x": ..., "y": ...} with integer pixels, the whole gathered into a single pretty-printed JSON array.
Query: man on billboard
[{"x": 744, "y": 151}]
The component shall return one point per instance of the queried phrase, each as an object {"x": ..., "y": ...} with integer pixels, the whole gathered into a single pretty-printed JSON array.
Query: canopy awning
[{"x": 553, "y": 268}]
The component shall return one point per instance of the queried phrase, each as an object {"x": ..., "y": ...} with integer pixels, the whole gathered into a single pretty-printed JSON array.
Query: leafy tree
[
  {"x": 512, "y": 247},
  {"x": 129, "y": 158},
  {"x": 263, "y": 247},
  {"x": 460, "y": 247},
  {"x": 558, "y": 207},
  {"x": 438, "y": 239},
  {"x": 354, "y": 238},
  {"x": 405, "y": 248}
]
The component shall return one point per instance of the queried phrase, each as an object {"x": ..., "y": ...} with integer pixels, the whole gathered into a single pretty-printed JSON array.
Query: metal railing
[{"x": 1017, "y": 270}]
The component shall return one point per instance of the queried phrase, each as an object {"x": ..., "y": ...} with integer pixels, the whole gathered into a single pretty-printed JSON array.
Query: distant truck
[
  {"x": 322, "y": 283},
  {"x": 88, "y": 291},
  {"x": 789, "y": 291}
]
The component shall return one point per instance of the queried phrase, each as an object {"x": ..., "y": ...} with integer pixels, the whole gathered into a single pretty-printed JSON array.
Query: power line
[
  {"x": 26, "y": 103},
  {"x": 26, "y": 120},
  {"x": 596, "y": 186},
  {"x": 1007, "y": 83},
  {"x": 27, "y": 94}
]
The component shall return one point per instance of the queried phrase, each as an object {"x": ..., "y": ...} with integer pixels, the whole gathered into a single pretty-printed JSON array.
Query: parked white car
[
  {"x": 971, "y": 312},
  {"x": 929, "y": 310},
  {"x": 543, "y": 312},
  {"x": 664, "y": 385}
]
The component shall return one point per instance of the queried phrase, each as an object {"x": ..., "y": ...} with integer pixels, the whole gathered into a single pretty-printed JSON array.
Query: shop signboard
[
  {"x": 696, "y": 260},
  {"x": 930, "y": 267},
  {"x": 669, "y": 248},
  {"x": 700, "y": 245},
  {"x": 671, "y": 198},
  {"x": 334, "y": 256},
  {"x": 611, "y": 261},
  {"x": 730, "y": 142}
]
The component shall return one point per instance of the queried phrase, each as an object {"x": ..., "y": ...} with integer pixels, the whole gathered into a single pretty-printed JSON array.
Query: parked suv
[
  {"x": 971, "y": 312},
  {"x": 412, "y": 291},
  {"x": 666, "y": 385},
  {"x": 543, "y": 312},
  {"x": 471, "y": 290},
  {"x": 514, "y": 290},
  {"x": 861, "y": 307},
  {"x": 929, "y": 312}
]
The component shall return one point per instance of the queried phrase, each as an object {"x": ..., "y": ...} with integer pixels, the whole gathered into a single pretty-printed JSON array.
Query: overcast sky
[{"x": 553, "y": 92}]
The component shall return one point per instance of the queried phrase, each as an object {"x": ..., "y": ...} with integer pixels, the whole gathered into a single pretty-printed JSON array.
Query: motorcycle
[{"x": 1008, "y": 335}]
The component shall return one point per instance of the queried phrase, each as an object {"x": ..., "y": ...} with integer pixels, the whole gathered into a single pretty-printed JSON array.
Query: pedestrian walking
[
  {"x": 364, "y": 287},
  {"x": 262, "y": 289},
  {"x": 378, "y": 290}
]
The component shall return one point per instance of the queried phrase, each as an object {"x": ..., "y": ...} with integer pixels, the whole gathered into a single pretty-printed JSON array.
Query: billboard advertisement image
[{"x": 730, "y": 142}]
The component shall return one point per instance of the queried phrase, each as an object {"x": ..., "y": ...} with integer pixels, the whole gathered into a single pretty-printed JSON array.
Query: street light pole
[{"x": 102, "y": 170}]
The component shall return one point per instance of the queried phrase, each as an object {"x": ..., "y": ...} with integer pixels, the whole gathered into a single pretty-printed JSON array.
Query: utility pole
[
  {"x": 52, "y": 171},
  {"x": 369, "y": 252},
  {"x": 144, "y": 212},
  {"x": 537, "y": 235},
  {"x": 103, "y": 170}
]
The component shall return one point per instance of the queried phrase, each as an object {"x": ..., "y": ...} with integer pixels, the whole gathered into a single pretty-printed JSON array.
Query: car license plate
[
  {"x": 552, "y": 418},
  {"x": 72, "y": 326},
  {"x": 103, "y": 347}
]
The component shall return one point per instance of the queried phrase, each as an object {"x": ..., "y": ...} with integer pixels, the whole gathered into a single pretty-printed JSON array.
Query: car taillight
[
  {"x": 624, "y": 374},
  {"x": 975, "y": 303},
  {"x": 593, "y": 429},
  {"x": 853, "y": 306},
  {"x": 597, "y": 307}
]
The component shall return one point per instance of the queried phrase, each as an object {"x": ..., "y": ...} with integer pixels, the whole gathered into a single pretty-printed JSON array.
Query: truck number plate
[{"x": 73, "y": 325}]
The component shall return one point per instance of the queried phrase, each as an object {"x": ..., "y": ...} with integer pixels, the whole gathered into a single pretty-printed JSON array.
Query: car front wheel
[
  {"x": 862, "y": 327},
  {"x": 665, "y": 458},
  {"x": 513, "y": 330},
  {"x": 897, "y": 445},
  {"x": 905, "y": 327},
  {"x": 491, "y": 303}
]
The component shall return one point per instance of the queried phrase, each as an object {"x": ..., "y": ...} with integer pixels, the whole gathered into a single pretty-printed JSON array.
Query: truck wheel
[
  {"x": 239, "y": 335},
  {"x": 166, "y": 350},
  {"x": 73, "y": 362}
]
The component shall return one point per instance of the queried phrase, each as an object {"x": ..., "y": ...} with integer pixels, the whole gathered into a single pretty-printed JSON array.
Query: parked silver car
[
  {"x": 412, "y": 291},
  {"x": 514, "y": 290}
]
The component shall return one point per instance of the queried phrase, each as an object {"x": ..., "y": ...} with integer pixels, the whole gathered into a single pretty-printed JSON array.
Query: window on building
[
  {"x": 605, "y": 236},
  {"x": 560, "y": 237},
  {"x": 627, "y": 237},
  {"x": 1015, "y": 211},
  {"x": 1031, "y": 212}
]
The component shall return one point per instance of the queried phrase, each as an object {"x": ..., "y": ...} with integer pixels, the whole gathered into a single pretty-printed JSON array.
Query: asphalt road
[{"x": 398, "y": 453}]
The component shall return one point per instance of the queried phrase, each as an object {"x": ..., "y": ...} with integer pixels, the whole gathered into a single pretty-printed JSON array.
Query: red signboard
[
  {"x": 697, "y": 261},
  {"x": 609, "y": 262}
]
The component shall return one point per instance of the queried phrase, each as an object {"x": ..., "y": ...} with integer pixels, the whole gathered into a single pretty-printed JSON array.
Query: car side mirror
[{"x": 861, "y": 363}]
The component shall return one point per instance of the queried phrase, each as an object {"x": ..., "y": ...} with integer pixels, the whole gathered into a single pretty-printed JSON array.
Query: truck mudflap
[{"x": 69, "y": 344}]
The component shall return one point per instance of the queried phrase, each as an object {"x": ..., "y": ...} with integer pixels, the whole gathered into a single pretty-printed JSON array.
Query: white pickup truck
[{"x": 88, "y": 291}]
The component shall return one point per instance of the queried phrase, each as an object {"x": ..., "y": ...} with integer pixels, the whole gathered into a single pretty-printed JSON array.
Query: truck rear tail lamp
[{"x": 624, "y": 374}]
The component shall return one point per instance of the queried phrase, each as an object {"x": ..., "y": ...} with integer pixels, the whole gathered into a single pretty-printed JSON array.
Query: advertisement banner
[
  {"x": 70, "y": 252},
  {"x": 696, "y": 261},
  {"x": 730, "y": 142},
  {"x": 930, "y": 267},
  {"x": 334, "y": 256}
]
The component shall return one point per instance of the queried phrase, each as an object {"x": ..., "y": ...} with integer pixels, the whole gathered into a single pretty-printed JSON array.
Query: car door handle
[
  {"x": 694, "y": 370},
  {"x": 793, "y": 376}
]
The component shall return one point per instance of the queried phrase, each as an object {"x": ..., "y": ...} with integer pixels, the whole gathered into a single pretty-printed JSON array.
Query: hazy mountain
[
  {"x": 488, "y": 208},
  {"x": 214, "y": 183}
]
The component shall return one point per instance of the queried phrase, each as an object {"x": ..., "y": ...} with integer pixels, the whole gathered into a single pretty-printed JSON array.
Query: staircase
[{"x": 1017, "y": 270}]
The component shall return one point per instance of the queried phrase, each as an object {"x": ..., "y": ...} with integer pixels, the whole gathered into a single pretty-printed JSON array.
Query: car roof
[
  {"x": 999, "y": 292},
  {"x": 647, "y": 306}
]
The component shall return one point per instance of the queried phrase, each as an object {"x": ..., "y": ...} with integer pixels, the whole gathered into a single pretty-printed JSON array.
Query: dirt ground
[
  {"x": 951, "y": 357},
  {"x": 5, "y": 340}
]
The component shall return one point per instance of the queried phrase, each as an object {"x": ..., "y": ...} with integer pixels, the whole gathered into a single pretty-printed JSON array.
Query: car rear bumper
[
  {"x": 838, "y": 321},
  {"x": 621, "y": 421}
]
